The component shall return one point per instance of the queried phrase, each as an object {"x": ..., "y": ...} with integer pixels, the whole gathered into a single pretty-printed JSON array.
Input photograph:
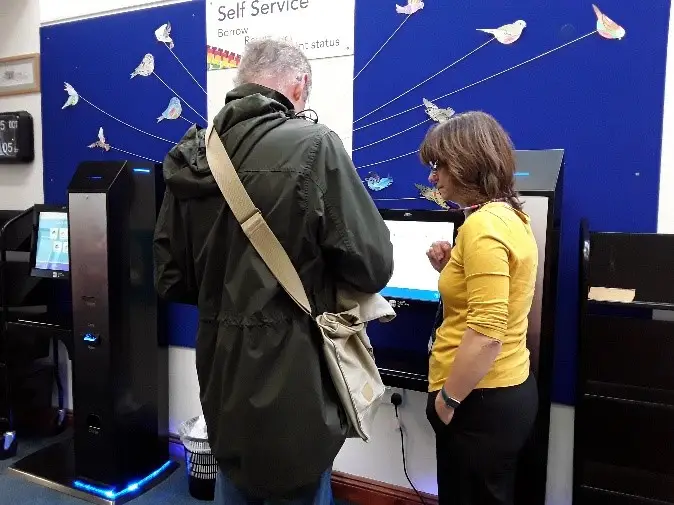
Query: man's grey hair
[{"x": 273, "y": 60}]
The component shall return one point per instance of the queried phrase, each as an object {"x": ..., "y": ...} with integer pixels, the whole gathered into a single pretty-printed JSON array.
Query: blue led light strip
[
  {"x": 142, "y": 170},
  {"x": 112, "y": 494}
]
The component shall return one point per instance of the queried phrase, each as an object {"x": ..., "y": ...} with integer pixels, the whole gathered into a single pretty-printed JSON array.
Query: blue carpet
[{"x": 17, "y": 491}]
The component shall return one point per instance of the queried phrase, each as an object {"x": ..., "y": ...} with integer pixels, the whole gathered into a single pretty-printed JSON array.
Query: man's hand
[
  {"x": 444, "y": 412},
  {"x": 439, "y": 254}
]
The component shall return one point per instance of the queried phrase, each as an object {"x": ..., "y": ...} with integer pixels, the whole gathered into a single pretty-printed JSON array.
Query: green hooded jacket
[{"x": 274, "y": 421}]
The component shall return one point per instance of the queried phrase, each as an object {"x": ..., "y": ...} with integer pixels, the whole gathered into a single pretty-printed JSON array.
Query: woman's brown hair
[{"x": 478, "y": 154}]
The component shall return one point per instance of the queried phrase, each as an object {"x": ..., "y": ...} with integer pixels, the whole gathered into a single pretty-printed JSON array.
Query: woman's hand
[
  {"x": 439, "y": 254},
  {"x": 445, "y": 414}
]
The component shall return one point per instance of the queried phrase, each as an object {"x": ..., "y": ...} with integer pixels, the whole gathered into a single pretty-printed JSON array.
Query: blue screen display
[
  {"x": 52, "y": 242},
  {"x": 421, "y": 295}
]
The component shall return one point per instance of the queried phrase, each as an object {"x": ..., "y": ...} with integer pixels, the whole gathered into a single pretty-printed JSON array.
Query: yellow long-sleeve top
[{"x": 488, "y": 286}]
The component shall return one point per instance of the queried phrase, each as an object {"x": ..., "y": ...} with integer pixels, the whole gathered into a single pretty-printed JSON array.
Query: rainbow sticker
[{"x": 219, "y": 59}]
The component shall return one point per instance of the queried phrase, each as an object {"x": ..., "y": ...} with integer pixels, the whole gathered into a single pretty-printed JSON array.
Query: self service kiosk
[{"x": 120, "y": 365}]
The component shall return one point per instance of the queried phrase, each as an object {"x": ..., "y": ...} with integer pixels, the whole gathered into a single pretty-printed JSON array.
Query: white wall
[
  {"x": 379, "y": 460},
  {"x": 57, "y": 11},
  {"x": 666, "y": 202},
  {"x": 21, "y": 185}
]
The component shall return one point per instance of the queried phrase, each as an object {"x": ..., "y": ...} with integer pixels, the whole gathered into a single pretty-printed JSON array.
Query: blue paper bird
[
  {"x": 376, "y": 183},
  {"x": 173, "y": 111}
]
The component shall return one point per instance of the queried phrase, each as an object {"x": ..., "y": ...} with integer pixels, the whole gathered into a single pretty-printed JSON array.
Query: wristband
[{"x": 452, "y": 403}]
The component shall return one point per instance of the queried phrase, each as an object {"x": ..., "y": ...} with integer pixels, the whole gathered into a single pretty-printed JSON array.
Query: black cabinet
[
  {"x": 34, "y": 315},
  {"x": 624, "y": 425}
]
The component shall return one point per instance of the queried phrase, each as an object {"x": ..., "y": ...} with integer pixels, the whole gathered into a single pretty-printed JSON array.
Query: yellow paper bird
[
  {"x": 432, "y": 194},
  {"x": 606, "y": 27}
]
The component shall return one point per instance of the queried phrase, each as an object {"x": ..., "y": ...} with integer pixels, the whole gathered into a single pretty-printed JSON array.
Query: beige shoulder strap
[{"x": 249, "y": 217}]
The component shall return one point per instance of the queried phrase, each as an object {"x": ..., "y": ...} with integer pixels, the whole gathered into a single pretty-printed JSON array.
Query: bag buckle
[{"x": 252, "y": 222}]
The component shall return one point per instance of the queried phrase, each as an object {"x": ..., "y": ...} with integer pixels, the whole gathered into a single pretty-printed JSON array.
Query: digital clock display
[
  {"x": 9, "y": 126},
  {"x": 17, "y": 143}
]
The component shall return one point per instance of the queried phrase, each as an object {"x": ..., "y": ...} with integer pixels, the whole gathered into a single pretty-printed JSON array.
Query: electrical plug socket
[
  {"x": 388, "y": 396},
  {"x": 396, "y": 399}
]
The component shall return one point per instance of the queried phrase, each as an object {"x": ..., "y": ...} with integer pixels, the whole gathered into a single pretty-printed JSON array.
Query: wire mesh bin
[{"x": 201, "y": 465}]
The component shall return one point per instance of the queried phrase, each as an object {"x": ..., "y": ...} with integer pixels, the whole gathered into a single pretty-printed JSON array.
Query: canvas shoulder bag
[{"x": 346, "y": 346}]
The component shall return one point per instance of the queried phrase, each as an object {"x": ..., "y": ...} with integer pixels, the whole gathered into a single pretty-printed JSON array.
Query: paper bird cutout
[
  {"x": 100, "y": 142},
  {"x": 606, "y": 27},
  {"x": 506, "y": 34},
  {"x": 173, "y": 111},
  {"x": 163, "y": 34},
  {"x": 436, "y": 113},
  {"x": 432, "y": 194},
  {"x": 145, "y": 68},
  {"x": 376, "y": 183},
  {"x": 73, "y": 96},
  {"x": 411, "y": 7}
]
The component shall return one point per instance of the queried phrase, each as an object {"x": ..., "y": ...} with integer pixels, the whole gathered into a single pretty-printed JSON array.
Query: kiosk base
[{"x": 54, "y": 467}]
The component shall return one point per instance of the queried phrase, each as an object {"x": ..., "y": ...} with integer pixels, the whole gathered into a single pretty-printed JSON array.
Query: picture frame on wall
[{"x": 20, "y": 74}]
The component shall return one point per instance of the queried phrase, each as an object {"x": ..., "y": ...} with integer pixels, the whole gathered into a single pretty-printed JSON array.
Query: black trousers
[{"x": 477, "y": 452}]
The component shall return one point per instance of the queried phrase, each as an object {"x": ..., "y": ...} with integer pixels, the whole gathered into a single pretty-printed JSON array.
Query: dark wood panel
[
  {"x": 627, "y": 434},
  {"x": 631, "y": 393},
  {"x": 624, "y": 427},
  {"x": 629, "y": 481},
  {"x": 634, "y": 261},
  {"x": 629, "y": 352},
  {"x": 590, "y": 496}
]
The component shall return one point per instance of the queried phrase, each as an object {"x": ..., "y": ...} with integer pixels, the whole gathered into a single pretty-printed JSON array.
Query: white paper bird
[
  {"x": 411, "y": 7},
  {"x": 436, "y": 113},
  {"x": 506, "y": 34},
  {"x": 145, "y": 68},
  {"x": 163, "y": 34},
  {"x": 100, "y": 142},
  {"x": 73, "y": 96}
]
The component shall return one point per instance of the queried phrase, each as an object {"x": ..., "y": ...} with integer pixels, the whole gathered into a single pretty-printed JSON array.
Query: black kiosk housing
[
  {"x": 120, "y": 370},
  {"x": 540, "y": 181},
  {"x": 120, "y": 446}
]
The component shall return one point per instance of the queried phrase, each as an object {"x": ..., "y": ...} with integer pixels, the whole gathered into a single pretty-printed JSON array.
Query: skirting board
[
  {"x": 357, "y": 490},
  {"x": 361, "y": 491}
]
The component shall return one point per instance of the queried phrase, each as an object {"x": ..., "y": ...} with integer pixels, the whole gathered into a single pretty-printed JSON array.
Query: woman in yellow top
[{"x": 483, "y": 399}]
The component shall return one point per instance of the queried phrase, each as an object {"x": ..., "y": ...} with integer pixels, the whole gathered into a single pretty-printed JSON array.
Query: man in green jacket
[{"x": 274, "y": 420}]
